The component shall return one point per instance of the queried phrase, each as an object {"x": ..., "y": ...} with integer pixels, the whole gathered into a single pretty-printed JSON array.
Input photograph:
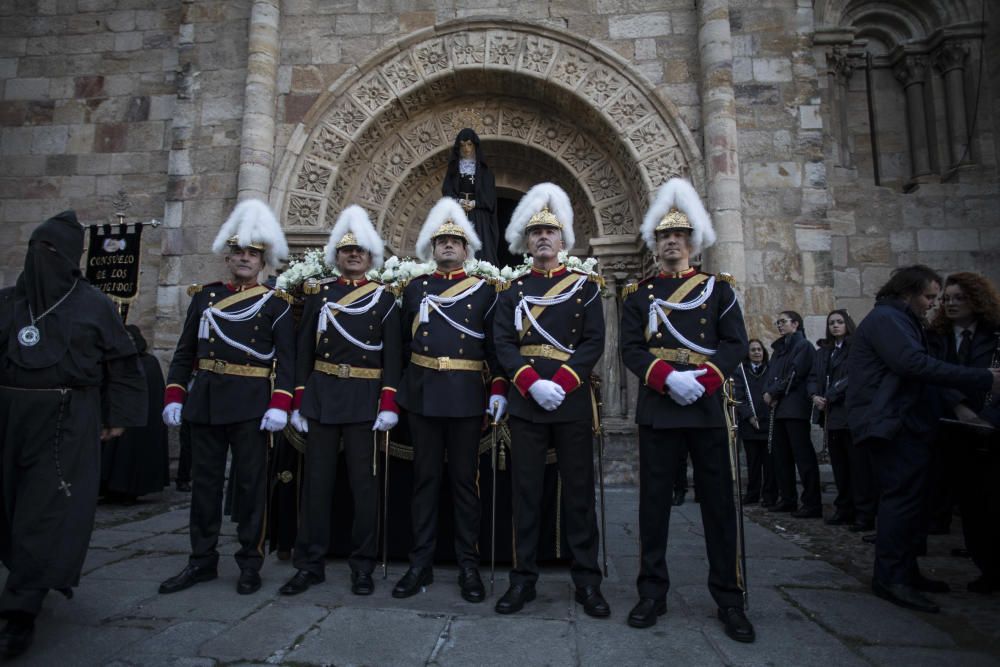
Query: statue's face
[{"x": 467, "y": 149}]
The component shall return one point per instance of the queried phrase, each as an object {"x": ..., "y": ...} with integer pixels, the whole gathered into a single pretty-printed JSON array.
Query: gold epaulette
[
  {"x": 592, "y": 277},
  {"x": 726, "y": 277},
  {"x": 194, "y": 289},
  {"x": 631, "y": 288},
  {"x": 282, "y": 294},
  {"x": 310, "y": 286},
  {"x": 499, "y": 284}
]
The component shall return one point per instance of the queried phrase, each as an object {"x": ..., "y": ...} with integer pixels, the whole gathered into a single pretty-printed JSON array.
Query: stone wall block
[
  {"x": 633, "y": 26},
  {"x": 952, "y": 239},
  {"x": 771, "y": 175},
  {"x": 869, "y": 250},
  {"x": 772, "y": 70}
]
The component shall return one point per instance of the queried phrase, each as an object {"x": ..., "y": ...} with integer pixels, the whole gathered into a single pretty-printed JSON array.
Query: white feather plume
[
  {"x": 534, "y": 200},
  {"x": 680, "y": 194},
  {"x": 355, "y": 219},
  {"x": 446, "y": 209},
  {"x": 253, "y": 222}
]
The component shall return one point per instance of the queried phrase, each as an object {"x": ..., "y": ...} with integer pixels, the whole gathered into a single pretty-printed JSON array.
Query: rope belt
[
  {"x": 679, "y": 355},
  {"x": 348, "y": 371},
  {"x": 221, "y": 367},
  {"x": 447, "y": 363},
  {"x": 546, "y": 351}
]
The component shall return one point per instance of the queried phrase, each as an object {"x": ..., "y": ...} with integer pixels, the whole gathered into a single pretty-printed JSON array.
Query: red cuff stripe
[
  {"x": 524, "y": 378},
  {"x": 281, "y": 400},
  {"x": 710, "y": 380},
  {"x": 498, "y": 387},
  {"x": 657, "y": 375},
  {"x": 387, "y": 402},
  {"x": 174, "y": 393},
  {"x": 297, "y": 400},
  {"x": 566, "y": 379}
]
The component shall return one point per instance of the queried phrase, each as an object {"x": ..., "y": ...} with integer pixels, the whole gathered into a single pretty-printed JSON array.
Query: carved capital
[
  {"x": 951, "y": 55},
  {"x": 911, "y": 70},
  {"x": 839, "y": 64}
]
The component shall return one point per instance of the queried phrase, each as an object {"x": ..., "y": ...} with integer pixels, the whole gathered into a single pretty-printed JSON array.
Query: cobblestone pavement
[{"x": 809, "y": 601}]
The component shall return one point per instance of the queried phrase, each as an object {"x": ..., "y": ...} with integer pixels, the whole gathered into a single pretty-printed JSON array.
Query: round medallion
[{"x": 29, "y": 336}]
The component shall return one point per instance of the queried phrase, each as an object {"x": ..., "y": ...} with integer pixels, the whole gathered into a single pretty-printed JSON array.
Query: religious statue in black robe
[
  {"x": 471, "y": 182},
  {"x": 69, "y": 376}
]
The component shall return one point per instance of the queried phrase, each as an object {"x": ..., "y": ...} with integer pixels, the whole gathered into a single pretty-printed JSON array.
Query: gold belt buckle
[
  {"x": 343, "y": 370},
  {"x": 219, "y": 366},
  {"x": 682, "y": 356},
  {"x": 444, "y": 363},
  {"x": 547, "y": 350}
]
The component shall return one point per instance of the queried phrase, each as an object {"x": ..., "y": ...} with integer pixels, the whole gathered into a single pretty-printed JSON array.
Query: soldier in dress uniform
[
  {"x": 549, "y": 333},
  {"x": 239, "y": 336},
  {"x": 346, "y": 375},
  {"x": 447, "y": 317},
  {"x": 682, "y": 334}
]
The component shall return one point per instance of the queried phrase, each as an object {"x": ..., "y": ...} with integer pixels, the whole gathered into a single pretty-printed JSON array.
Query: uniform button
[
  {"x": 371, "y": 327},
  {"x": 259, "y": 315},
  {"x": 650, "y": 286},
  {"x": 469, "y": 306},
  {"x": 255, "y": 327},
  {"x": 211, "y": 340},
  {"x": 326, "y": 288},
  {"x": 659, "y": 335},
  {"x": 520, "y": 293},
  {"x": 212, "y": 294},
  {"x": 704, "y": 306},
  {"x": 461, "y": 335},
  {"x": 520, "y": 282},
  {"x": 326, "y": 340},
  {"x": 460, "y": 350},
  {"x": 252, "y": 340},
  {"x": 466, "y": 319},
  {"x": 211, "y": 354},
  {"x": 363, "y": 356},
  {"x": 651, "y": 297},
  {"x": 571, "y": 346},
  {"x": 324, "y": 299},
  {"x": 531, "y": 361},
  {"x": 210, "y": 304},
  {"x": 576, "y": 315},
  {"x": 579, "y": 300},
  {"x": 368, "y": 342},
  {"x": 572, "y": 330},
  {"x": 425, "y": 333},
  {"x": 528, "y": 333},
  {"x": 426, "y": 349},
  {"x": 425, "y": 282},
  {"x": 703, "y": 320},
  {"x": 326, "y": 355},
  {"x": 701, "y": 335}
]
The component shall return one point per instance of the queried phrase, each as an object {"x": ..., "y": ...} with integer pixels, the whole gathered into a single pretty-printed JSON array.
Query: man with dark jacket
[
  {"x": 892, "y": 410},
  {"x": 785, "y": 395}
]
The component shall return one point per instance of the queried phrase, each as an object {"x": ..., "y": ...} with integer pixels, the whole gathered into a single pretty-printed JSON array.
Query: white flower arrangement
[{"x": 311, "y": 264}]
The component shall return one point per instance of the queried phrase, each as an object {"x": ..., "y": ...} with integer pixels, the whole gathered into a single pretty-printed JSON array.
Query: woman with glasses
[
  {"x": 752, "y": 413},
  {"x": 785, "y": 395},
  {"x": 827, "y": 387}
]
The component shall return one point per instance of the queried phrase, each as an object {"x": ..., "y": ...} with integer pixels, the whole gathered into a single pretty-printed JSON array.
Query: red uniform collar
[
  {"x": 353, "y": 283},
  {"x": 686, "y": 273},
  {"x": 450, "y": 275},
  {"x": 240, "y": 288},
  {"x": 553, "y": 273}
]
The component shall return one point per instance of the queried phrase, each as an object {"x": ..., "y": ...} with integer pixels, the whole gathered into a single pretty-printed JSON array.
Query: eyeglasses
[{"x": 780, "y": 322}]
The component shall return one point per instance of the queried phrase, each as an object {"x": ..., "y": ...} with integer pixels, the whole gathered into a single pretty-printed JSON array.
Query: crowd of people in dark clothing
[{"x": 904, "y": 404}]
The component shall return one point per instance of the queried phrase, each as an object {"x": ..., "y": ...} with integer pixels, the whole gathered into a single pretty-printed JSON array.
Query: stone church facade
[{"x": 831, "y": 139}]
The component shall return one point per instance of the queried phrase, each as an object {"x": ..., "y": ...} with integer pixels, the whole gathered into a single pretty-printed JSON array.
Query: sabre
[
  {"x": 385, "y": 512},
  {"x": 595, "y": 399},
  {"x": 734, "y": 467},
  {"x": 493, "y": 509}
]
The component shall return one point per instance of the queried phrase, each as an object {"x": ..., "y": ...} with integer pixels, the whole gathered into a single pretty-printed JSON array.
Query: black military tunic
[
  {"x": 712, "y": 336},
  {"x": 527, "y": 355},
  {"x": 231, "y": 391},
  {"x": 444, "y": 391},
  {"x": 341, "y": 385}
]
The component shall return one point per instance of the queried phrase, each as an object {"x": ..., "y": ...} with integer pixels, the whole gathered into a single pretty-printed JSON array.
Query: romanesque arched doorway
[{"x": 547, "y": 105}]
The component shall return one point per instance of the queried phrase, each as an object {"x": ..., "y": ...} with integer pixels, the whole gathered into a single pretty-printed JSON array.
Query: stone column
[
  {"x": 911, "y": 72},
  {"x": 257, "y": 140},
  {"x": 718, "y": 114},
  {"x": 950, "y": 61},
  {"x": 839, "y": 70}
]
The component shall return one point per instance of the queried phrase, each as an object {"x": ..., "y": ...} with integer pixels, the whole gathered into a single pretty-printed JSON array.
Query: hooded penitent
[
  {"x": 354, "y": 228},
  {"x": 544, "y": 205},
  {"x": 678, "y": 206},
  {"x": 446, "y": 219},
  {"x": 252, "y": 224}
]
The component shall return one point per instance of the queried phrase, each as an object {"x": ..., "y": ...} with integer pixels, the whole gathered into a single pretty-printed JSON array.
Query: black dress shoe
[
  {"x": 515, "y": 597},
  {"x": 903, "y": 596},
  {"x": 737, "y": 625},
  {"x": 840, "y": 519},
  {"x": 925, "y": 585},
  {"x": 679, "y": 495},
  {"x": 411, "y": 583},
  {"x": 983, "y": 585},
  {"x": 593, "y": 602},
  {"x": 362, "y": 583},
  {"x": 862, "y": 526},
  {"x": 188, "y": 577},
  {"x": 16, "y": 637},
  {"x": 184, "y": 487},
  {"x": 249, "y": 582},
  {"x": 644, "y": 613},
  {"x": 781, "y": 507},
  {"x": 301, "y": 582},
  {"x": 471, "y": 585},
  {"x": 808, "y": 513}
]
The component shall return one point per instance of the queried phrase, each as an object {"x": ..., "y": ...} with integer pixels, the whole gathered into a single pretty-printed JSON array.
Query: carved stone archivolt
[{"x": 547, "y": 105}]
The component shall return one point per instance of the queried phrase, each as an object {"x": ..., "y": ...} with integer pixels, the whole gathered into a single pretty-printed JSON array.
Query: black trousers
[
  {"x": 433, "y": 437},
  {"x": 761, "y": 484},
  {"x": 184, "y": 457},
  {"x": 792, "y": 448},
  {"x": 943, "y": 484},
  {"x": 979, "y": 500},
  {"x": 319, "y": 477},
  {"x": 709, "y": 449},
  {"x": 573, "y": 442},
  {"x": 681, "y": 476},
  {"x": 209, "y": 446},
  {"x": 841, "y": 449},
  {"x": 902, "y": 465}
]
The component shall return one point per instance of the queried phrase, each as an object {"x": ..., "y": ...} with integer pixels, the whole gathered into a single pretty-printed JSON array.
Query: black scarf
[{"x": 51, "y": 267}]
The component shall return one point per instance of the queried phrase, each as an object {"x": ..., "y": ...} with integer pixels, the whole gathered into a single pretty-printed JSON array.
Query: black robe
[{"x": 481, "y": 188}]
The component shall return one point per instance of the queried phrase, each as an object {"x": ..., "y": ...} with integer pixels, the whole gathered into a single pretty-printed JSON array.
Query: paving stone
[
  {"x": 96, "y": 600},
  {"x": 54, "y": 645},
  {"x": 142, "y": 568},
  {"x": 137, "y": 659},
  {"x": 97, "y": 558},
  {"x": 491, "y": 641},
  {"x": 215, "y": 600},
  {"x": 798, "y": 571},
  {"x": 161, "y": 523},
  {"x": 927, "y": 657},
  {"x": 674, "y": 640},
  {"x": 864, "y": 617},
  {"x": 180, "y": 639},
  {"x": 349, "y": 637},
  {"x": 269, "y": 630}
]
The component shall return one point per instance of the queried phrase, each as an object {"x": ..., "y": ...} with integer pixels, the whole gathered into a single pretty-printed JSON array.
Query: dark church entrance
[{"x": 506, "y": 202}]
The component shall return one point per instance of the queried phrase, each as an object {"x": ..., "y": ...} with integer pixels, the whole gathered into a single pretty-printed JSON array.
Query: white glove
[
  {"x": 172, "y": 414},
  {"x": 385, "y": 420},
  {"x": 683, "y": 386},
  {"x": 547, "y": 394},
  {"x": 497, "y": 408},
  {"x": 299, "y": 423},
  {"x": 274, "y": 420}
]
